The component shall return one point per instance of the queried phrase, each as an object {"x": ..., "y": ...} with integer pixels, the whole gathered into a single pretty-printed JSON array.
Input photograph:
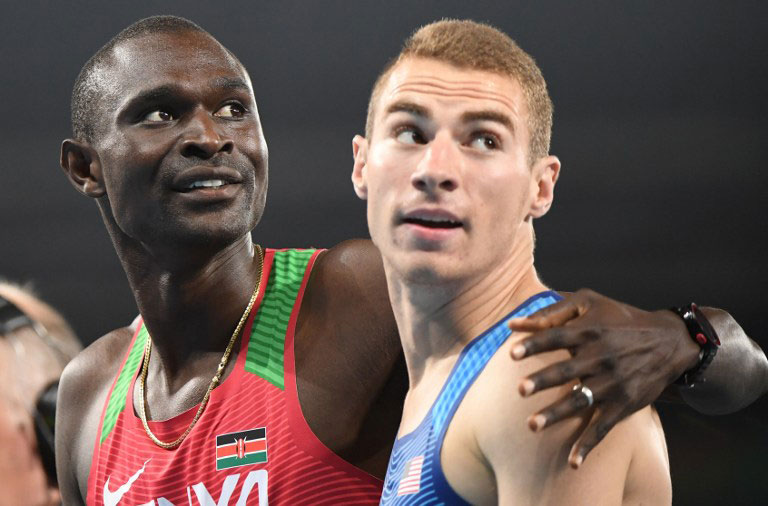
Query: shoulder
[
  {"x": 504, "y": 413},
  {"x": 348, "y": 290},
  {"x": 355, "y": 264},
  {"x": 534, "y": 464},
  {"x": 489, "y": 435},
  {"x": 83, "y": 389},
  {"x": 95, "y": 365}
]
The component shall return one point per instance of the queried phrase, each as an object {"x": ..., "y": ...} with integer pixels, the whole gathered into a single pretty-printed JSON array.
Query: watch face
[{"x": 705, "y": 325}]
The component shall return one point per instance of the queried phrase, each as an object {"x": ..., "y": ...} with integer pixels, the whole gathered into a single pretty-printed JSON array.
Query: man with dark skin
[{"x": 176, "y": 109}]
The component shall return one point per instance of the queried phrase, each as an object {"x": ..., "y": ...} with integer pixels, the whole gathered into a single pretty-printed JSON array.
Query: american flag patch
[{"x": 411, "y": 479}]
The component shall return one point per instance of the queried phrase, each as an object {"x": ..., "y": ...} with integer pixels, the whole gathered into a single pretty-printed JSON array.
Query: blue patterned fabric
[{"x": 414, "y": 474}]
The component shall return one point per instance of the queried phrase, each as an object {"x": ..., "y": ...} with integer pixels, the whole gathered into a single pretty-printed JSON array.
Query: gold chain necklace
[{"x": 214, "y": 381}]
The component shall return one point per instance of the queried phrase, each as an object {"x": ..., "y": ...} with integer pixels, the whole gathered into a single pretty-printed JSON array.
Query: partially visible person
[{"x": 35, "y": 345}]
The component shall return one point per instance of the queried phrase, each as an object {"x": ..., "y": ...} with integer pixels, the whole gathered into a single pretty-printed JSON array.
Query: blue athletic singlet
[{"x": 414, "y": 474}]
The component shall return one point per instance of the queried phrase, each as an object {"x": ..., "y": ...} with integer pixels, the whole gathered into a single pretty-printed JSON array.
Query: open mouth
[
  {"x": 207, "y": 184},
  {"x": 205, "y": 180},
  {"x": 433, "y": 223}
]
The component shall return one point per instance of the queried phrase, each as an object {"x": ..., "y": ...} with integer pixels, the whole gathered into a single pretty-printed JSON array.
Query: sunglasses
[{"x": 44, "y": 414}]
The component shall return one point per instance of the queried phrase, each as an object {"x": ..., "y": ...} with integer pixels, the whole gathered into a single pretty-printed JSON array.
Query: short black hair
[{"x": 87, "y": 93}]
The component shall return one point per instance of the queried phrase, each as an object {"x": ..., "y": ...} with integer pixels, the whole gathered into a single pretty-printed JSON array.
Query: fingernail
[
  {"x": 515, "y": 321},
  {"x": 518, "y": 351},
  {"x": 537, "y": 422},
  {"x": 526, "y": 387}
]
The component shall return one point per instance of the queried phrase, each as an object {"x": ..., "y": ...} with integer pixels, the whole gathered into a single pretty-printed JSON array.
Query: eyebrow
[
  {"x": 154, "y": 94},
  {"x": 488, "y": 115},
  {"x": 410, "y": 108},
  {"x": 166, "y": 92},
  {"x": 231, "y": 83},
  {"x": 467, "y": 117}
]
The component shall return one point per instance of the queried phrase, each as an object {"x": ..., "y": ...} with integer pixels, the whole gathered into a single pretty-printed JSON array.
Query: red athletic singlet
[{"x": 251, "y": 446}]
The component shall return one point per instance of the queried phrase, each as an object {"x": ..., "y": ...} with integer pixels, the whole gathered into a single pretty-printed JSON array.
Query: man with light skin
[
  {"x": 455, "y": 168},
  {"x": 33, "y": 351}
]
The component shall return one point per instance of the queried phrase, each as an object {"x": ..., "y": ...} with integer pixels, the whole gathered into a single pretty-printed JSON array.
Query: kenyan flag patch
[{"x": 241, "y": 448}]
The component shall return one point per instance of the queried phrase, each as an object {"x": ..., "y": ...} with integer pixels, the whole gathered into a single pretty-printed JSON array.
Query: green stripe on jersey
[
  {"x": 266, "y": 347},
  {"x": 118, "y": 398}
]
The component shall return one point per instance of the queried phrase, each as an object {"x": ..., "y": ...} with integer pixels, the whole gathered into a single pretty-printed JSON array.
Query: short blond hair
[{"x": 478, "y": 46}]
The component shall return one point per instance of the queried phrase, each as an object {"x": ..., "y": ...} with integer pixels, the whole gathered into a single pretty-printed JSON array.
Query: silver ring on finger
[{"x": 586, "y": 392}]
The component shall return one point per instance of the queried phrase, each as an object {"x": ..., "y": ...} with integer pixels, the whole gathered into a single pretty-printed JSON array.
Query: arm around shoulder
[
  {"x": 356, "y": 265},
  {"x": 350, "y": 280}
]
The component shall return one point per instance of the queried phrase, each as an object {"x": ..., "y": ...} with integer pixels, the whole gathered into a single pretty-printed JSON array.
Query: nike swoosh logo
[{"x": 113, "y": 498}]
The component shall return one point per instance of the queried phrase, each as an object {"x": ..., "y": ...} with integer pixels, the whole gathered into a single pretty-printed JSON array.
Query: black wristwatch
[{"x": 704, "y": 335}]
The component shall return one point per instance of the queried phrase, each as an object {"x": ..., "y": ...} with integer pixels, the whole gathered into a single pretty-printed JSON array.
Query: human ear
[
  {"x": 360, "y": 154},
  {"x": 545, "y": 171},
  {"x": 82, "y": 166}
]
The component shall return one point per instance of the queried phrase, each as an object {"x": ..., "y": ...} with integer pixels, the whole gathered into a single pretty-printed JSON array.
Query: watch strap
[{"x": 704, "y": 335}]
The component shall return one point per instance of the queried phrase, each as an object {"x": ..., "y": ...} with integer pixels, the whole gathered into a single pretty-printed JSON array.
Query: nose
[
  {"x": 203, "y": 138},
  {"x": 437, "y": 170}
]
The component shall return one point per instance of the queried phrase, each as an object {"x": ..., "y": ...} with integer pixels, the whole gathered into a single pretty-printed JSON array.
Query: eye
[
  {"x": 409, "y": 135},
  {"x": 159, "y": 116},
  {"x": 485, "y": 142},
  {"x": 230, "y": 111}
]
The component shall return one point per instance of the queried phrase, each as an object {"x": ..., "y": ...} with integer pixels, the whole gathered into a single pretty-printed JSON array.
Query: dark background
[{"x": 660, "y": 122}]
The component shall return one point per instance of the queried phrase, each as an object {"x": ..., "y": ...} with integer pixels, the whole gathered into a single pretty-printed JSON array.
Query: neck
[
  {"x": 437, "y": 320},
  {"x": 190, "y": 306}
]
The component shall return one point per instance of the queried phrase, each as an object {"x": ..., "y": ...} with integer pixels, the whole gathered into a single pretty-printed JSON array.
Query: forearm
[{"x": 736, "y": 377}]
